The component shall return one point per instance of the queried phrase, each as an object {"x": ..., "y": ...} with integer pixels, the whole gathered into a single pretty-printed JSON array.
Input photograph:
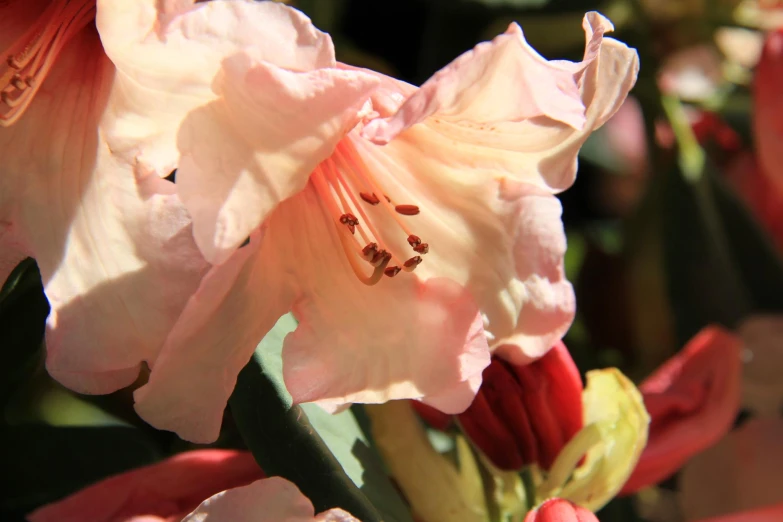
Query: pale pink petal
[
  {"x": 504, "y": 108},
  {"x": 164, "y": 491},
  {"x": 117, "y": 259},
  {"x": 406, "y": 337},
  {"x": 192, "y": 379},
  {"x": 742, "y": 472},
  {"x": 269, "y": 500},
  {"x": 264, "y": 105},
  {"x": 762, "y": 388},
  {"x": 257, "y": 145},
  {"x": 503, "y": 240}
]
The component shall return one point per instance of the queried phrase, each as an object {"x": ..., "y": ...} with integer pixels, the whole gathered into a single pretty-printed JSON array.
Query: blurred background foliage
[{"x": 660, "y": 244}]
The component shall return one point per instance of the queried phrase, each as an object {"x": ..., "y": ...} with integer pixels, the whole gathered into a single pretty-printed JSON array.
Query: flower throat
[
  {"x": 348, "y": 189},
  {"x": 27, "y": 61}
]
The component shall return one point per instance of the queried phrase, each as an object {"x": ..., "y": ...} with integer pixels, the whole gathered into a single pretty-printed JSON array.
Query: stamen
[
  {"x": 370, "y": 250},
  {"x": 392, "y": 271},
  {"x": 412, "y": 263},
  {"x": 407, "y": 210},
  {"x": 29, "y": 59},
  {"x": 372, "y": 199},
  {"x": 342, "y": 182},
  {"x": 422, "y": 248}
]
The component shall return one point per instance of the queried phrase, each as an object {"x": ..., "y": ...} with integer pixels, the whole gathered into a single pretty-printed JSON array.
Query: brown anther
[
  {"x": 407, "y": 210},
  {"x": 414, "y": 241},
  {"x": 370, "y": 250},
  {"x": 11, "y": 61},
  {"x": 351, "y": 227},
  {"x": 348, "y": 219},
  {"x": 30, "y": 81},
  {"x": 422, "y": 249},
  {"x": 17, "y": 82},
  {"x": 392, "y": 271},
  {"x": 415, "y": 260},
  {"x": 382, "y": 256},
  {"x": 372, "y": 199}
]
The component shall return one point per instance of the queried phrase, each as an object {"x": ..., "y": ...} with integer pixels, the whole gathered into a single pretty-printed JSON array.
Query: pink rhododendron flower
[
  {"x": 692, "y": 400},
  {"x": 204, "y": 486},
  {"x": 273, "y": 140},
  {"x": 427, "y": 234}
]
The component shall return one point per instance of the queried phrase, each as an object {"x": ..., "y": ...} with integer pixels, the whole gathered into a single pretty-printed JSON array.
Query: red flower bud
[
  {"x": 560, "y": 510},
  {"x": 526, "y": 414}
]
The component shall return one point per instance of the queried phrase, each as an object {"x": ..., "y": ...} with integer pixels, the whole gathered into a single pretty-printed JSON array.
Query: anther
[
  {"x": 422, "y": 248},
  {"x": 407, "y": 210},
  {"x": 11, "y": 61},
  {"x": 370, "y": 250},
  {"x": 380, "y": 257},
  {"x": 349, "y": 219},
  {"x": 30, "y": 81},
  {"x": 372, "y": 199},
  {"x": 412, "y": 262},
  {"x": 392, "y": 271},
  {"x": 414, "y": 241},
  {"x": 17, "y": 82}
]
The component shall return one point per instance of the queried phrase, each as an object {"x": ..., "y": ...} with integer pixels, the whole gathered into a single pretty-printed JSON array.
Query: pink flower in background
[
  {"x": 215, "y": 485},
  {"x": 426, "y": 235},
  {"x": 692, "y": 400}
]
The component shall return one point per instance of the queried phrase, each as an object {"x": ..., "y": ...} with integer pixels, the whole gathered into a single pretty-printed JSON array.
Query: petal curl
[
  {"x": 531, "y": 137},
  {"x": 257, "y": 145}
]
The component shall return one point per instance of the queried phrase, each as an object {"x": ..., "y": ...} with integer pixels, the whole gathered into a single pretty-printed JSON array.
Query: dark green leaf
[
  {"x": 42, "y": 463},
  {"x": 23, "y": 311},
  {"x": 327, "y": 457}
]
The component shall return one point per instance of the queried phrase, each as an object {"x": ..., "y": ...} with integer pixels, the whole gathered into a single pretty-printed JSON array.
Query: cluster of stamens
[
  {"x": 337, "y": 180},
  {"x": 28, "y": 60}
]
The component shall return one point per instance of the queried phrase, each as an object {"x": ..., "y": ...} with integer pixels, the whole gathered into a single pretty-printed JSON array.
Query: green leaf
[
  {"x": 42, "y": 464},
  {"x": 23, "y": 311},
  {"x": 327, "y": 457}
]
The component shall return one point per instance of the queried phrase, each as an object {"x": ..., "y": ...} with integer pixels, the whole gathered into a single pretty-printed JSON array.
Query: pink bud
[{"x": 560, "y": 510}]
